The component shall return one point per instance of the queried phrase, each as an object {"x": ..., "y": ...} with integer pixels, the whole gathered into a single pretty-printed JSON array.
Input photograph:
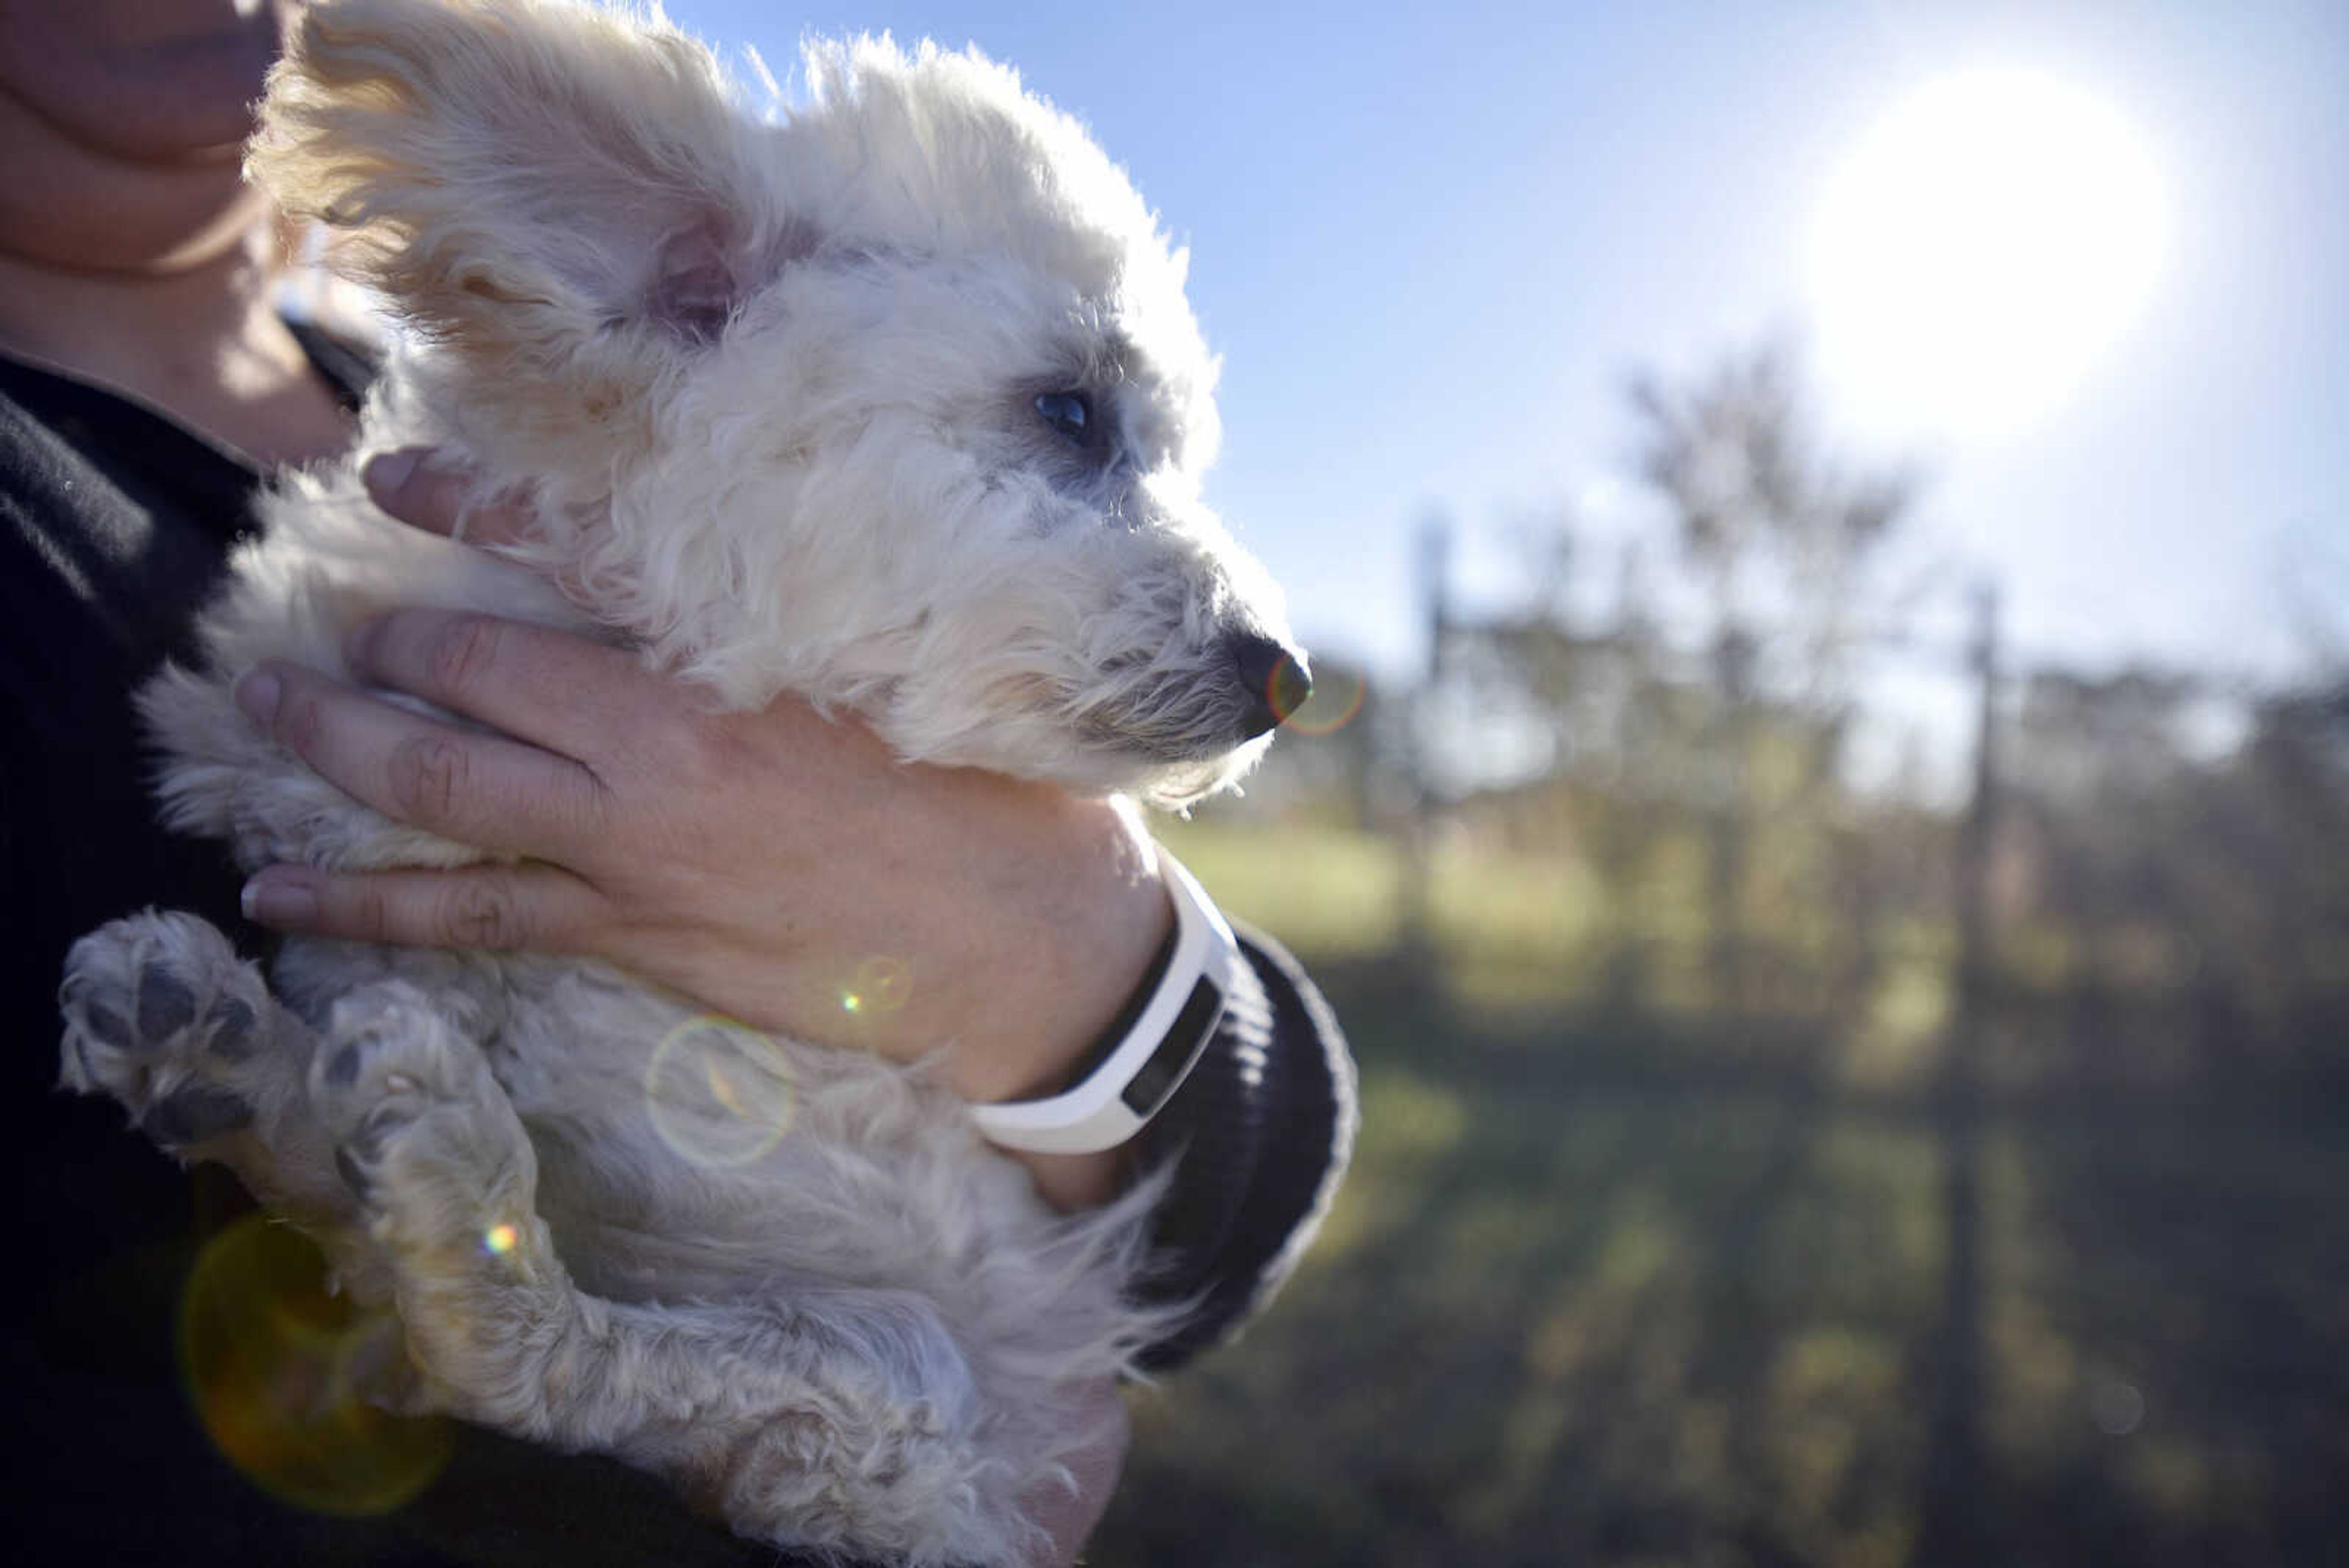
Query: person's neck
[{"x": 155, "y": 280}]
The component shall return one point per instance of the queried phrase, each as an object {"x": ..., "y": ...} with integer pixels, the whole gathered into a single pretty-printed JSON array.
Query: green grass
[
  {"x": 1327, "y": 893},
  {"x": 1517, "y": 929},
  {"x": 1574, "y": 1326},
  {"x": 1539, "y": 1322},
  {"x": 1603, "y": 1290}
]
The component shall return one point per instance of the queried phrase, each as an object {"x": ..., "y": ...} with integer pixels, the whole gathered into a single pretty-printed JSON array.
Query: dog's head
[{"x": 896, "y": 402}]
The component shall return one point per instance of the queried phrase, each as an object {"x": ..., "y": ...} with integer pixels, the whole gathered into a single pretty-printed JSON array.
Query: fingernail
[
  {"x": 388, "y": 471},
  {"x": 279, "y": 898},
  {"x": 257, "y": 695}
]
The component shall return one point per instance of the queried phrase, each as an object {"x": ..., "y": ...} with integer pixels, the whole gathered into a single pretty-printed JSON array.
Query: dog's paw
[
  {"x": 161, "y": 1014},
  {"x": 423, "y": 1134}
]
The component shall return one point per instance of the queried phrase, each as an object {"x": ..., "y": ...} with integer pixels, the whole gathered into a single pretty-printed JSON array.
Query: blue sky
[{"x": 1431, "y": 243}]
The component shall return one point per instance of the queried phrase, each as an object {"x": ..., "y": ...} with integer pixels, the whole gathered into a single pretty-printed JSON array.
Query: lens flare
[
  {"x": 500, "y": 1239},
  {"x": 719, "y": 1093},
  {"x": 1334, "y": 702},
  {"x": 879, "y": 988},
  {"x": 280, "y": 1373}
]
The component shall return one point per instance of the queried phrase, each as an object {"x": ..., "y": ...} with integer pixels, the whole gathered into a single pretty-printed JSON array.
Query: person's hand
[
  {"x": 775, "y": 867},
  {"x": 1071, "y": 1516}
]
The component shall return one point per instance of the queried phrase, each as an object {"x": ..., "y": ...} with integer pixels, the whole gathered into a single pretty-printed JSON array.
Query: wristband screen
[{"x": 1159, "y": 1076}]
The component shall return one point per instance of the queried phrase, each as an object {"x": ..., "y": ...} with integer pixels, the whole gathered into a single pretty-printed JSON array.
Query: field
[{"x": 1633, "y": 1287}]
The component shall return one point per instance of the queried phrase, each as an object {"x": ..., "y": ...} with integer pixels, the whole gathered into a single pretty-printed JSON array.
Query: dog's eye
[{"x": 1070, "y": 413}]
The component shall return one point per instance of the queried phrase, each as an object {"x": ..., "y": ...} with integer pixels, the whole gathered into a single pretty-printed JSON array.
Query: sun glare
[{"x": 1982, "y": 248}]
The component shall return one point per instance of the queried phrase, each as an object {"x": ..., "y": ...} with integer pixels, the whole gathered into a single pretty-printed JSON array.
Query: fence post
[
  {"x": 1951, "y": 1530},
  {"x": 1434, "y": 563},
  {"x": 1973, "y": 857}
]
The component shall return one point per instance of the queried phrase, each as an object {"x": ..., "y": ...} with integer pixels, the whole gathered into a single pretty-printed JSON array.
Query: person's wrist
[{"x": 1083, "y": 950}]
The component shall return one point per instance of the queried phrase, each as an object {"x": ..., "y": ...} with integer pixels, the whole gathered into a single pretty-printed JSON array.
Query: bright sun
[{"x": 1980, "y": 248}]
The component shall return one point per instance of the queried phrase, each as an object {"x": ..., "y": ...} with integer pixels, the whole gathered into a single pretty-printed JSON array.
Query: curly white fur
[{"x": 772, "y": 391}]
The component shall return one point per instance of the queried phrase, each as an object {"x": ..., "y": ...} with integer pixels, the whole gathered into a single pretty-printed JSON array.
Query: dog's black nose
[{"x": 1275, "y": 679}]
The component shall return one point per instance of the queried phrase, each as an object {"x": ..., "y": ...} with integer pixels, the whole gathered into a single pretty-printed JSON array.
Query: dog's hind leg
[
  {"x": 842, "y": 1419},
  {"x": 162, "y": 1015}
]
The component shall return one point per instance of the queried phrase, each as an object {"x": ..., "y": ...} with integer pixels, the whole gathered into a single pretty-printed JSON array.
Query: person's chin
[{"x": 176, "y": 100}]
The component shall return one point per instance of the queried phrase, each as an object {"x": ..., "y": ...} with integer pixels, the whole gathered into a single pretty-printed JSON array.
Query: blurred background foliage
[{"x": 1758, "y": 1167}]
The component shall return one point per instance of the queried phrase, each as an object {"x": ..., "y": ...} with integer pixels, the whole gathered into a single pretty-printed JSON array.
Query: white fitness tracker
[{"x": 1144, "y": 1057}]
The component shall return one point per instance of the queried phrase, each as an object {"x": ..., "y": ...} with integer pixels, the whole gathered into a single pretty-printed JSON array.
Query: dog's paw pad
[
  {"x": 358, "y": 1157},
  {"x": 103, "y": 1026},
  {"x": 197, "y": 1114},
  {"x": 355, "y": 1172},
  {"x": 342, "y": 1069},
  {"x": 366, "y": 1139},
  {"x": 166, "y": 1005},
  {"x": 235, "y": 1032}
]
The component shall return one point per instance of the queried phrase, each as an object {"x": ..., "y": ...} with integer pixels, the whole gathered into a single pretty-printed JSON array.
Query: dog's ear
[{"x": 550, "y": 191}]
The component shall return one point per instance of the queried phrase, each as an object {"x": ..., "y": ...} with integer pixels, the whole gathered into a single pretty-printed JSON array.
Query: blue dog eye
[{"x": 1070, "y": 413}]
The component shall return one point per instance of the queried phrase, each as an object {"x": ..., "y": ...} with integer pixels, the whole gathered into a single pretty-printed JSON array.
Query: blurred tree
[
  {"x": 2262, "y": 893},
  {"x": 1779, "y": 537},
  {"x": 2176, "y": 854}
]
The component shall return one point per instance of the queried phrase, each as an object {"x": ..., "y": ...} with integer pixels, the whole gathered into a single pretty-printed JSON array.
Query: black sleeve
[
  {"x": 1259, "y": 1137},
  {"x": 113, "y": 526}
]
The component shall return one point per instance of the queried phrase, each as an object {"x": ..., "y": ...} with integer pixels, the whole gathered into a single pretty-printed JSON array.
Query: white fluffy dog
[{"x": 896, "y": 404}]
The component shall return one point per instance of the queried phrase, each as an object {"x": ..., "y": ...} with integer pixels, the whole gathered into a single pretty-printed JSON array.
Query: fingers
[
  {"x": 405, "y": 484},
  {"x": 479, "y": 789},
  {"x": 537, "y": 907},
  {"x": 546, "y": 687}
]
